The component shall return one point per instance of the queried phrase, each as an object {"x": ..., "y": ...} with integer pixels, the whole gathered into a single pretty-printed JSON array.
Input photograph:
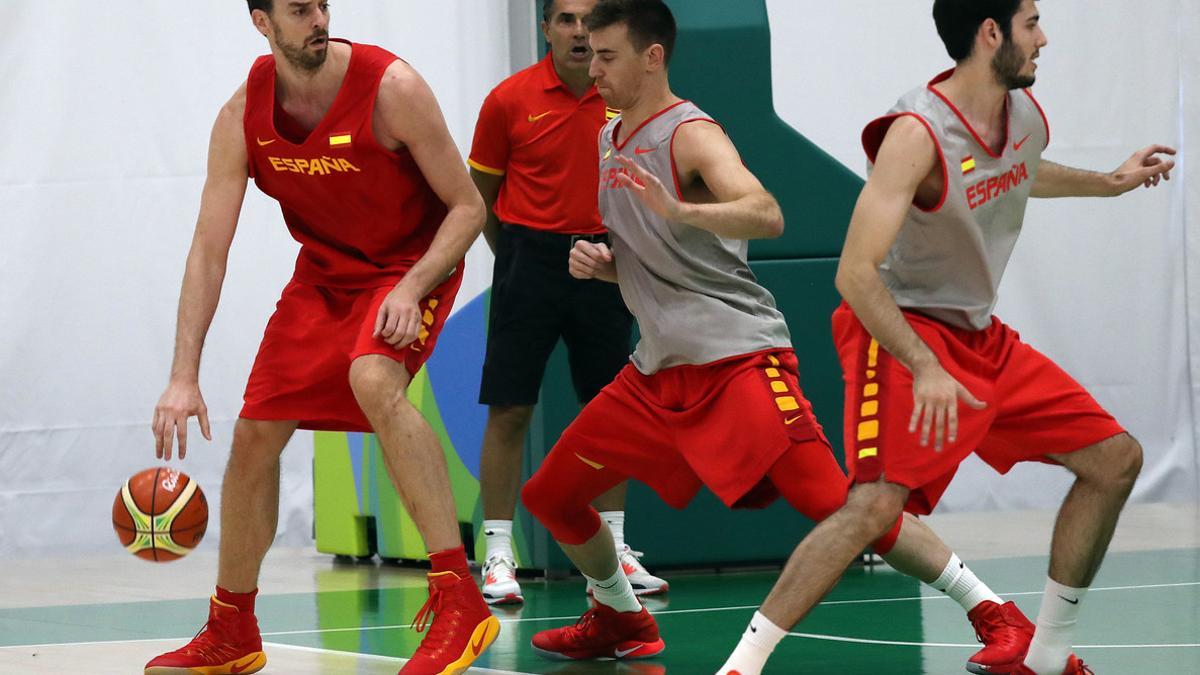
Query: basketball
[{"x": 160, "y": 514}]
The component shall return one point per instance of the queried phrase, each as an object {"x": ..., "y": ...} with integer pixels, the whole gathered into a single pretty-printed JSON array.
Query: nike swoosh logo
[
  {"x": 622, "y": 653},
  {"x": 589, "y": 462},
  {"x": 478, "y": 646},
  {"x": 641, "y": 151},
  {"x": 753, "y": 628},
  {"x": 261, "y": 142},
  {"x": 534, "y": 118},
  {"x": 1018, "y": 144},
  {"x": 791, "y": 420},
  {"x": 1073, "y": 602},
  {"x": 240, "y": 668}
]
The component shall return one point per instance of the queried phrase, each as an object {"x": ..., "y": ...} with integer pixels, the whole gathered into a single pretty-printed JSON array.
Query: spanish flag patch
[
  {"x": 968, "y": 164},
  {"x": 610, "y": 113},
  {"x": 339, "y": 139}
]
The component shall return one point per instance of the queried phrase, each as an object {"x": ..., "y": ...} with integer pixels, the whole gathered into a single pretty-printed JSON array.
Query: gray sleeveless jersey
[
  {"x": 947, "y": 261},
  {"x": 694, "y": 296}
]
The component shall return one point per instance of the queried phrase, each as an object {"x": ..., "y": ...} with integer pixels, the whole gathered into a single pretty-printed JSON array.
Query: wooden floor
[{"x": 110, "y": 614}]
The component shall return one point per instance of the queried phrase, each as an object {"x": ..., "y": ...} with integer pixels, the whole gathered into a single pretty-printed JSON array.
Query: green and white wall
[{"x": 109, "y": 121}]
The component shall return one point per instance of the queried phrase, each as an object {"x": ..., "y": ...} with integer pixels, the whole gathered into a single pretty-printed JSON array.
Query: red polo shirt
[{"x": 534, "y": 132}]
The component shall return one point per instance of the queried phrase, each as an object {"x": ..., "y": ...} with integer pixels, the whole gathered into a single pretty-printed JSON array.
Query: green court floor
[{"x": 1142, "y": 616}]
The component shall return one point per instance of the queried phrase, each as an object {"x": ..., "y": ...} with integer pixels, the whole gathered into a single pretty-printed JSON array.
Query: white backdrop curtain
[{"x": 107, "y": 109}]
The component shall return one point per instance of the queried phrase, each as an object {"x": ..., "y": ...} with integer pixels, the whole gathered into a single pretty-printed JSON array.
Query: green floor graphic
[{"x": 1143, "y": 616}]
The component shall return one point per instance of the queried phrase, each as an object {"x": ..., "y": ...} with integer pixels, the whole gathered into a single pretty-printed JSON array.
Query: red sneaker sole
[
  {"x": 251, "y": 663},
  {"x": 510, "y": 599},
  {"x": 624, "y": 651}
]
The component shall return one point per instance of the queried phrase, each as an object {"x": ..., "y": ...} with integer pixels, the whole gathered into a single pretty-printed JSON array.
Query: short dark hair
[
  {"x": 958, "y": 22},
  {"x": 264, "y": 5},
  {"x": 649, "y": 22},
  {"x": 547, "y": 10}
]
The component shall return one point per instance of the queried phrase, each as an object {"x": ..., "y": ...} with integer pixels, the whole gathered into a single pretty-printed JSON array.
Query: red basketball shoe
[
  {"x": 602, "y": 633},
  {"x": 1005, "y": 633},
  {"x": 460, "y": 630},
  {"x": 229, "y": 644},
  {"x": 1075, "y": 666}
]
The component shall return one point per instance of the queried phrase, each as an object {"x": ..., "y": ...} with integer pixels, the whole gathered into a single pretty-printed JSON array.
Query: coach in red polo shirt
[{"x": 535, "y": 162}]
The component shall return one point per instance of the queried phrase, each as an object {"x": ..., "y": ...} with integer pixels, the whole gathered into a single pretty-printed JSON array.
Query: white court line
[
  {"x": 900, "y": 643},
  {"x": 734, "y": 608},
  {"x": 315, "y": 631},
  {"x": 475, "y": 670}
]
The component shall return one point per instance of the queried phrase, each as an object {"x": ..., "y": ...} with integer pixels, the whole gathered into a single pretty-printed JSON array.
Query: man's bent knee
[
  {"x": 510, "y": 421},
  {"x": 876, "y": 506},
  {"x": 1134, "y": 458},
  {"x": 261, "y": 438},
  {"x": 378, "y": 381},
  {"x": 1114, "y": 462},
  {"x": 569, "y": 521}
]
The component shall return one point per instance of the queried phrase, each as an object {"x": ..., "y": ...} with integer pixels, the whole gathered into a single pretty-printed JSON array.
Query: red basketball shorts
[
  {"x": 1034, "y": 408},
  {"x": 302, "y": 371},
  {"x": 740, "y": 426}
]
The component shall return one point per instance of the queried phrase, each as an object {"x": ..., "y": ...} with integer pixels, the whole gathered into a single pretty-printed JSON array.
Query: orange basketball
[{"x": 160, "y": 514}]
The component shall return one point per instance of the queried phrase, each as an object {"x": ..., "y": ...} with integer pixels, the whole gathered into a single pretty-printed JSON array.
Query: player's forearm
[
  {"x": 491, "y": 229},
  {"x": 862, "y": 288},
  {"x": 755, "y": 216},
  {"x": 202, "y": 280},
  {"x": 1056, "y": 180},
  {"x": 488, "y": 186},
  {"x": 459, "y": 230}
]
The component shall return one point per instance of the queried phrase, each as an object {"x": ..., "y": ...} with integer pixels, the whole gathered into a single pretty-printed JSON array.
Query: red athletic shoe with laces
[
  {"x": 1005, "y": 633},
  {"x": 460, "y": 630},
  {"x": 602, "y": 633},
  {"x": 229, "y": 644},
  {"x": 1075, "y": 666}
]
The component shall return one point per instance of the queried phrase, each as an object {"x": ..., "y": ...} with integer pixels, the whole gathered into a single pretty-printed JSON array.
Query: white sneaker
[
  {"x": 500, "y": 585},
  {"x": 642, "y": 581}
]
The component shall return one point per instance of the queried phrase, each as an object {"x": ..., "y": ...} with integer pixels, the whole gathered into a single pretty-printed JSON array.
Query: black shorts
[{"x": 535, "y": 301}]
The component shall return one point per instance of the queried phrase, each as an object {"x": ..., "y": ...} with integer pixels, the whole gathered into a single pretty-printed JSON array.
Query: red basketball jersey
[{"x": 363, "y": 214}]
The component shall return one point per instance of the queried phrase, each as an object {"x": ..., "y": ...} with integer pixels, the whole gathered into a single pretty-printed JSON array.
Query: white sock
[
  {"x": 751, "y": 654},
  {"x": 615, "y": 592},
  {"x": 963, "y": 587},
  {"x": 497, "y": 535},
  {"x": 1051, "y": 645},
  {"x": 616, "y": 523}
]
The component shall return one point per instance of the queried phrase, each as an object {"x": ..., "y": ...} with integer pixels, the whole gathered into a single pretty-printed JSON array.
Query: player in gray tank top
[
  {"x": 953, "y": 165},
  {"x": 682, "y": 270}
]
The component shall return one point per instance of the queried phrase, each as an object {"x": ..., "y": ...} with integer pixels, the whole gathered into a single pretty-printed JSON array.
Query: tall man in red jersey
[
  {"x": 352, "y": 143},
  {"x": 954, "y": 163},
  {"x": 533, "y": 152}
]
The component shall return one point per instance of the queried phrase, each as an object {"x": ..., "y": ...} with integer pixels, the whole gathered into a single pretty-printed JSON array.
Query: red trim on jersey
[
  {"x": 872, "y": 138},
  {"x": 1042, "y": 112},
  {"x": 317, "y": 131},
  {"x": 617, "y": 126},
  {"x": 674, "y": 170},
  {"x": 962, "y": 118}
]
